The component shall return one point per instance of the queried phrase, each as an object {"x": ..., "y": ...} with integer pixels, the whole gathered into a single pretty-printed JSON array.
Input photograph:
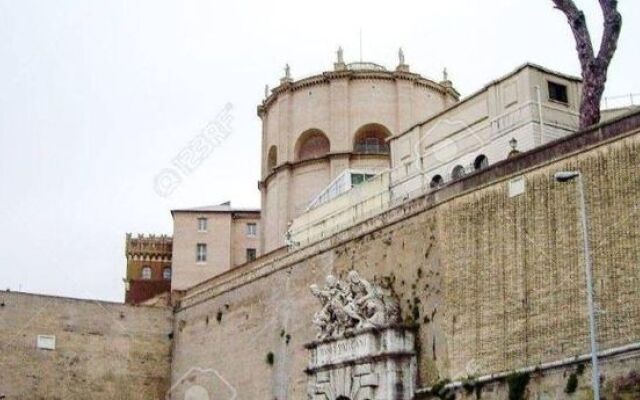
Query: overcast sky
[{"x": 97, "y": 97}]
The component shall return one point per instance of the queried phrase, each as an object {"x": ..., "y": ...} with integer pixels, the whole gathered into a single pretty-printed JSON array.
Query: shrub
[
  {"x": 517, "y": 385},
  {"x": 572, "y": 384}
]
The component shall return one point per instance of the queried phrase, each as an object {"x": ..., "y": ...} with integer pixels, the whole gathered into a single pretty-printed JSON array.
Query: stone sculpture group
[{"x": 352, "y": 305}]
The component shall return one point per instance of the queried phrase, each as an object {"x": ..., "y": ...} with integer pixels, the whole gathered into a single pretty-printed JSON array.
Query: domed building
[{"x": 314, "y": 129}]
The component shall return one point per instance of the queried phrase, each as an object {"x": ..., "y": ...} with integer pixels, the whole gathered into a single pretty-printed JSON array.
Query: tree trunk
[
  {"x": 594, "y": 68},
  {"x": 592, "y": 91}
]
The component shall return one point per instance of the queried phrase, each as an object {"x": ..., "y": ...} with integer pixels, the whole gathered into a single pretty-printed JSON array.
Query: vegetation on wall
[
  {"x": 270, "y": 359},
  {"x": 629, "y": 384},
  {"x": 572, "y": 384},
  {"x": 470, "y": 385},
  {"x": 517, "y": 383},
  {"x": 442, "y": 392}
]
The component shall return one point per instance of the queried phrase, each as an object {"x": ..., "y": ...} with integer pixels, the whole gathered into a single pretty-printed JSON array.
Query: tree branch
[
  {"x": 611, "y": 32},
  {"x": 578, "y": 24}
]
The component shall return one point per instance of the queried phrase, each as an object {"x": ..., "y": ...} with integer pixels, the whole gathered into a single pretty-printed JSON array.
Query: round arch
[
  {"x": 436, "y": 182},
  {"x": 312, "y": 143},
  {"x": 371, "y": 139},
  {"x": 458, "y": 172},
  {"x": 272, "y": 158},
  {"x": 480, "y": 162}
]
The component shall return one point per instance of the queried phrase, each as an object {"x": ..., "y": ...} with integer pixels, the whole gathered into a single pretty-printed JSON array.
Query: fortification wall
[
  {"x": 102, "y": 350},
  {"x": 495, "y": 282}
]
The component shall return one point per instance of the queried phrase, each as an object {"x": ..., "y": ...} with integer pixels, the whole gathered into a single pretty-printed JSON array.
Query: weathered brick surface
[
  {"x": 103, "y": 350},
  {"x": 496, "y": 283}
]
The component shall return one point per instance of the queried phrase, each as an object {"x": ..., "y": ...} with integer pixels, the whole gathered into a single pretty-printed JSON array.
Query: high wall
[
  {"x": 495, "y": 282},
  {"x": 102, "y": 350}
]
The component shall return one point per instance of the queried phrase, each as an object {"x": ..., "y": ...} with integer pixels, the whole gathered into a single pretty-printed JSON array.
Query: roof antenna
[{"x": 360, "y": 44}]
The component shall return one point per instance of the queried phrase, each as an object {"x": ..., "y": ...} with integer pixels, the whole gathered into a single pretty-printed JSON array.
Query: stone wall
[
  {"x": 495, "y": 282},
  {"x": 102, "y": 350}
]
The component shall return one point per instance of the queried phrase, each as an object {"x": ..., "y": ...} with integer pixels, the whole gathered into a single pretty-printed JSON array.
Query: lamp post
[{"x": 566, "y": 176}]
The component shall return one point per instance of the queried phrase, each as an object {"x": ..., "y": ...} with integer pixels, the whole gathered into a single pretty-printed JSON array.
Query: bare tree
[{"x": 594, "y": 68}]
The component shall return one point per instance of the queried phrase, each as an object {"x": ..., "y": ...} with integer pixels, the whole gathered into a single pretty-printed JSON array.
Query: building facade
[
  {"x": 315, "y": 128},
  {"x": 211, "y": 240},
  {"x": 525, "y": 109},
  {"x": 149, "y": 271}
]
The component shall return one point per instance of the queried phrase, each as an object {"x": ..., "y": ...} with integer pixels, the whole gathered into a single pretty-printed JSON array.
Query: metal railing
[
  {"x": 371, "y": 148},
  {"x": 413, "y": 178},
  {"x": 621, "y": 101}
]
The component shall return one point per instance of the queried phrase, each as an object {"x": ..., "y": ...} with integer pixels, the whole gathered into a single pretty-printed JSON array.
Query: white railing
[
  {"x": 621, "y": 101},
  {"x": 414, "y": 177}
]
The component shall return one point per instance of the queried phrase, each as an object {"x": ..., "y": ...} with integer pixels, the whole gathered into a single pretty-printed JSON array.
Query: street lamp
[{"x": 566, "y": 176}]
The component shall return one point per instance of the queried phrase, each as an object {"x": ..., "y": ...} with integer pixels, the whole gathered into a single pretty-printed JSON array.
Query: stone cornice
[
  {"x": 326, "y": 77},
  {"x": 328, "y": 157},
  {"x": 413, "y": 327}
]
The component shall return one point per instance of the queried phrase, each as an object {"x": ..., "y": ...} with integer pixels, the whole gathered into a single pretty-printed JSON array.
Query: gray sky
[{"x": 97, "y": 97}]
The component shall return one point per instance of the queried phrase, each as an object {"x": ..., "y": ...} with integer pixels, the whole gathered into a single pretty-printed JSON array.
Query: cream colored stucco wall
[
  {"x": 241, "y": 241},
  {"x": 339, "y": 105},
  {"x": 226, "y": 241},
  {"x": 186, "y": 271},
  {"x": 485, "y": 122}
]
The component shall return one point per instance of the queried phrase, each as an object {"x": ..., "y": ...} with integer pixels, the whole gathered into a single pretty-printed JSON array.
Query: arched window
[
  {"x": 371, "y": 139},
  {"x": 272, "y": 158},
  {"x": 458, "y": 172},
  {"x": 146, "y": 273},
  {"x": 481, "y": 162},
  {"x": 312, "y": 144},
  {"x": 436, "y": 181},
  {"x": 166, "y": 273}
]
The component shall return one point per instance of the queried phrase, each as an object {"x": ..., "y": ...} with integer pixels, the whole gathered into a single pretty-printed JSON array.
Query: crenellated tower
[{"x": 148, "y": 266}]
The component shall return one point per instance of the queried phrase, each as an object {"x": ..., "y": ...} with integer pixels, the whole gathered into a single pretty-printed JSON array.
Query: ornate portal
[{"x": 362, "y": 351}]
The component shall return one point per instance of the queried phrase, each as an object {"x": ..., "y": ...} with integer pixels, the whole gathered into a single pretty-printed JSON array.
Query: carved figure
[
  {"x": 340, "y": 55},
  {"x": 322, "y": 318},
  {"x": 401, "y": 56},
  {"x": 355, "y": 304}
]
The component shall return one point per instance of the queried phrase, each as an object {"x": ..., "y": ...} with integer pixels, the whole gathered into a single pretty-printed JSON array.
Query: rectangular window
[
  {"x": 251, "y": 254},
  {"x": 201, "y": 252},
  {"x": 202, "y": 224},
  {"x": 252, "y": 229},
  {"x": 558, "y": 92}
]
